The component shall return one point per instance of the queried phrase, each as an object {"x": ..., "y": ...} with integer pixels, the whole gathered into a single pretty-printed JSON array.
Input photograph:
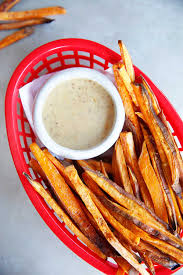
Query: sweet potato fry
[
  {"x": 127, "y": 219},
  {"x": 59, "y": 166},
  {"x": 64, "y": 193},
  {"x": 123, "y": 264},
  {"x": 6, "y": 5},
  {"x": 103, "y": 171},
  {"x": 96, "y": 165},
  {"x": 134, "y": 183},
  {"x": 167, "y": 246},
  {"x": 84, "y": 193},
  {"x": 84, "y": 163},
  {"x": 131, "y": 160},
  {"x": 33, "y": 163},
  {"x": 127, "y": 60},
  {"x": 125, "y": 244},
  {"x": 127, "y": 81},
  {"x": 128, "y": 106},
  {"x": 110, "y": 251},
  {"x": 179, "y": 157},
  {"x": 30, "y": 14},
  {"x": 180, "y": 203},
  {"x": 148, "y": 262},
  {"x": 127, "y": 235},
  {"x": 152, "y": 183},
  {"x": 125, "y": 199},
  {"x": 56, "y": 162},
  {"x": 176, "y": 207},
  {"x": 92, "y": 185},
  {"x": 90, "y": 217},
  {"x": 14, "y": 37},
  {"x": 151, "y": 94},
  {"x": 168, "y": 176},
  {"x": 160, "y": 132},
  {"x": 136, "y": 86},
  {"x": 58, "y": 210},
  {"x": 145, "y": 99},
  {"x": 137, "y": 208},
  {"x": 120, "y": 271},
  {"x": 156, "y": 163},
  {"x": 140, "y": 115},
  {"x": 129, "y": 127},
  {"x": 156, "y": 255},
  {"x": 23, "y": 24},
  {"x": 138, "y": 225},
  {"x": 122, "y": 168},
  {"x": 115, "y": 171}
]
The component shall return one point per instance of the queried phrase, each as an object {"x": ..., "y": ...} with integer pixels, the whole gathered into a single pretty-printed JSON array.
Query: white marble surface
[{"x": 152, "y": 31}]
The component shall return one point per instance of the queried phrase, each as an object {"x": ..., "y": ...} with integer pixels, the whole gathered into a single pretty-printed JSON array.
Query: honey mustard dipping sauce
[{"x": 78, "y": 114}]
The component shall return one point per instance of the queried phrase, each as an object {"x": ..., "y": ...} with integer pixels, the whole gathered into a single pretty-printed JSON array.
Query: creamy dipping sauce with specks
[{"x": 78, "y": 114}]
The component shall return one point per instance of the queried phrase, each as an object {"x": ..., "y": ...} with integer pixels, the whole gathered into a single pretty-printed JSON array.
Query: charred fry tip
[
  {"x": 175, "y": 266},
  {"x": 48, "y": 20}
]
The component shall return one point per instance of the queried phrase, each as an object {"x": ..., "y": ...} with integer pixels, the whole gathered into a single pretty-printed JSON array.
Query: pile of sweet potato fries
[
  {"x": 131, "y": 207},
  {"x": 23, "y": 20}
]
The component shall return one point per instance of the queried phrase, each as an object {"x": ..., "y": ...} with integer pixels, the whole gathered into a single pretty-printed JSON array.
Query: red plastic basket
[{"x": 54, "y": 56}]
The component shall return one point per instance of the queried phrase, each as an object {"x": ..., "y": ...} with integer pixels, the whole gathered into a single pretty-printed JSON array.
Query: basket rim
[{"x": 13, "y": 139}]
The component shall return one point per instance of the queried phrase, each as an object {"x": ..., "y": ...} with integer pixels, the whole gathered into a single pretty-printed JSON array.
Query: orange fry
[
  {"x": 96, "y": 165},
  {"x": 127, "y": 200},
  {"x": 156, "y": 255},
  {"x": 30, "y": 14},
  {"x": 152, "y": 183},
  {"x": 23, "y": 24},
  {"x": 6, "y": 5},
  {"x": 14, "y": 37},
  {"x": 129, "y": 236},
  {"x": 102, "y": 167},
  {"x": 123, "y": 265},
  {"x": 140, "y": 115},
  {"x": 131, "y": 160},
  {"x": 120, "y": 271},
  {"x": 39, "y": 188},
  {"x": 92, "y": 185},
  {"x": 134, "y": 183},
  {"x": 87, "y": 199},
  {"x": 127, "y": 81},
  {"x": 128, "y": 106},
  {"x": 179, "y": 157},
  {"x": 33, "y": 163},
  {"x": 153, "y": 98},
  {"x": 148, "y": 262},
  {"x": 63, "y": 192},
  {"x": 157, "y": 165},
  {"x": 159, "y": 132},
  {"x": 176, "y": 207},
  {"x": 115, "y": 171},
  {"x": 122, "y": 168},
  {"x": 84, "y": 163},
  {"x": 166, "y": 242},
  {"x": 127, "y": 60}
]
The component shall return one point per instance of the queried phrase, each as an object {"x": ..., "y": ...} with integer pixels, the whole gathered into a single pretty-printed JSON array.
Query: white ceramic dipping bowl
[{"x": 48, "y": 87}]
